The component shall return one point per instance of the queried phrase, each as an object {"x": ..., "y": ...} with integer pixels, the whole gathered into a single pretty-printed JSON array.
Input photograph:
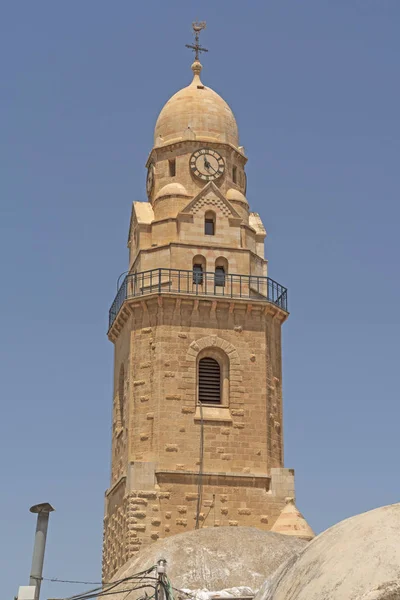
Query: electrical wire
[
  {"x": 108, "y": 593},
  {"x": 56, "y": 580},
  {"x": 200, "y": 476},
  {"x": 209, "y": 510},
  {"x": 144, "y": 581},
  {"x": 101, "y": 594},
  {"x": 187, "y": 594},
  {"x": 102, "y": 583},
  {"x": 109, "y": 588}
]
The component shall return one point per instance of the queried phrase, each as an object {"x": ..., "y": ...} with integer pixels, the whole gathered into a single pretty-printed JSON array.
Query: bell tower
[{"x": 196, "y": 326}]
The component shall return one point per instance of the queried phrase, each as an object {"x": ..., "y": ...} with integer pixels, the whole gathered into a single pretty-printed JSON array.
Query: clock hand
[{"x": 208, "y": 166}]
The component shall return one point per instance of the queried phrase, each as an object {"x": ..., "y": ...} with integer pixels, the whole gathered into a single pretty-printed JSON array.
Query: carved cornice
[
  {"x": 156, "y": 302},
  {"x": 215, "y": 478},
  {"x": 175, "y": 145}
]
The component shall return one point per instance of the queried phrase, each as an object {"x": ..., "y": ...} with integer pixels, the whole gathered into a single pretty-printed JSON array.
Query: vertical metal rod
[
  {"x": 161, "y": 572},
  {"x": 43, "y": 512}
]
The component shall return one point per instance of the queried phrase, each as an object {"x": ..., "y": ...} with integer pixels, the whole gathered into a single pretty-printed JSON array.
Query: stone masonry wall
[
  {"x": 244, "y": 482},
  {"x": 170, "y": 508},
  {"x": 167, "y": 336}
]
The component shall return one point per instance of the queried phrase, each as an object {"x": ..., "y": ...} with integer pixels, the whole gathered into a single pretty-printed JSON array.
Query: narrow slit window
[
  {"x": 198, "y": 274},
  {"x": 172, "y": 167},
  {"x": 234, "y": 174},
  {"x": 209, "y": 223},
  {"x": 209, "y": 381}
]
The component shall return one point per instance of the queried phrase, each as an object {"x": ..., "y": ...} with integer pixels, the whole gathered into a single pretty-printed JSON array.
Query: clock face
[
  {"x": 150, "y": 179},
  {"x": 207, "y": 164}
]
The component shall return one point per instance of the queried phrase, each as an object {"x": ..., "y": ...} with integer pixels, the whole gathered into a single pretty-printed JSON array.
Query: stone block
[{"x": 171, "y": 447}]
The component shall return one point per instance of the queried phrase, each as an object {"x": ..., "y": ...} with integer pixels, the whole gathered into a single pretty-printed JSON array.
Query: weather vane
[{"x": 197, "y": 27}]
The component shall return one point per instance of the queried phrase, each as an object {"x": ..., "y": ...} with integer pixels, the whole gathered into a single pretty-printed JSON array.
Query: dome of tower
[
  {"x": 213, "y": 558},
  {"x": 236, "y": 196},
  {"x": 172, "y": 189},
  {"x": 196, "y": 112}
]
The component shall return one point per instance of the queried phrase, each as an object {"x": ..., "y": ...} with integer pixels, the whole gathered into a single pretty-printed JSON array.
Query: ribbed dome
[{"x": 196, "y": 112}]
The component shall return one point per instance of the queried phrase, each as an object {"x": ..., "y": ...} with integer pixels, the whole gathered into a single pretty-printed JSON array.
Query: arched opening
[
  {"x": 213, "y": 377},
  {"x": 199, "y": 268},
  {"x": 221, "y": 270},
  {"x": 209, "y": 223},
  {"x": 209, "y": 381}
]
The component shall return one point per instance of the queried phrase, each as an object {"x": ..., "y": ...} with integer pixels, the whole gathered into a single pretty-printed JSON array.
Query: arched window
[
  {"x": 209, "y": 381},
  {"x": 197, "y": 274},
  {"x": 198, "y": 267},
  {"x": 209, "y": 223},
  {"x": 220, "y": 276},
  {"x": 221, "y": 269}
]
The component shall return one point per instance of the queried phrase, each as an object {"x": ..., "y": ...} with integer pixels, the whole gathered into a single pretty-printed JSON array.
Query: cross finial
[{"x": 197, "y": 27}]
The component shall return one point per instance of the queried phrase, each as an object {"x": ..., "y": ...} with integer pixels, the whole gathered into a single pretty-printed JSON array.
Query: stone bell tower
[{"x": 196, "y": 325}]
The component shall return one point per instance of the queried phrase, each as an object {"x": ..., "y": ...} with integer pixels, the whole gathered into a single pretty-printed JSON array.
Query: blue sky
[{"x": 315, "y": 89}]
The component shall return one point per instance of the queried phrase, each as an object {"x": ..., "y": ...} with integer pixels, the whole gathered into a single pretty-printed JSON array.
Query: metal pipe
[{"x": 43, "y": 512}]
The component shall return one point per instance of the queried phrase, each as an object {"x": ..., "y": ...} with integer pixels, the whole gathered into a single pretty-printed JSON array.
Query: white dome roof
[
  {"x": 357, "y": 559},
  {"x": 215, "y": 558}
]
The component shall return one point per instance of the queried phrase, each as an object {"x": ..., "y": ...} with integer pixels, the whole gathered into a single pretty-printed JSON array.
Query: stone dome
[
  {"x": 357, "y": 559},
  {"x": 196, "y": 112},
  {"x": 236, "y": 196},
  {"x": 214, "y": 558},
  {"x": 172, "y": 189}
]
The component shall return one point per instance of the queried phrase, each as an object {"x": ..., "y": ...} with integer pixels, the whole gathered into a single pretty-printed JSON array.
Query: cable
[
  {"x": 56, "y": 580},
  {"x": 209, "y": 510},
  {"x": 188, "y": 594},
  {"x": 200, "y": 476},
  {"x": 108, "y": 593},
  {"x": 109, "y": 588}
]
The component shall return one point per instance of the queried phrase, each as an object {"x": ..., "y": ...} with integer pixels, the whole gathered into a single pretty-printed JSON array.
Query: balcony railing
[{"x": 198, "y": 283}]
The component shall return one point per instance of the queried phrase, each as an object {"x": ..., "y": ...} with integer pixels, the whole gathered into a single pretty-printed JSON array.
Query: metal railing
[{"x": 198, "y": 283}]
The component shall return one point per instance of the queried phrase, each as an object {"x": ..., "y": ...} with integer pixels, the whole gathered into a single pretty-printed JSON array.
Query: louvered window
[{"x": 209, "y": 381}]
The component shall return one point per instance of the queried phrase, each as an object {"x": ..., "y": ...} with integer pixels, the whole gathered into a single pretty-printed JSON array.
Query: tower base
[{"x": 150, "y": 504}]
